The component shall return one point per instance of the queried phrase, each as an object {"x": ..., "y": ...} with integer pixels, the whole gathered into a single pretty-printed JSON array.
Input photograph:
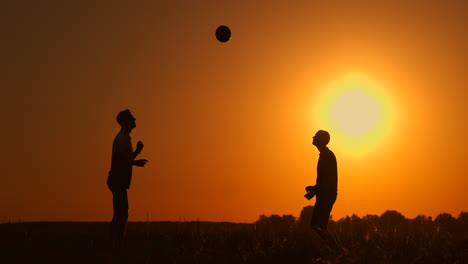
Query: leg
[
  {"x": 319, "y": 223},
  {"x": 322, "y": 210},
  {"x": 119, "y": 220}
]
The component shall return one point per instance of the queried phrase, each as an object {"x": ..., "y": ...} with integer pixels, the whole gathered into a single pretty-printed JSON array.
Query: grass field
[{"x": 273, "y": 239}]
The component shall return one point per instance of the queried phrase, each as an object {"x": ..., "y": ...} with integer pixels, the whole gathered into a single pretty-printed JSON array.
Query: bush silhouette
[{"x": 305, "y": 217}]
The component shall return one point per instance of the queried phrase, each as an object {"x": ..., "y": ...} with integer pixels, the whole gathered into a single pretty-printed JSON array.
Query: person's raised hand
[{"x": 139, "y": 146}]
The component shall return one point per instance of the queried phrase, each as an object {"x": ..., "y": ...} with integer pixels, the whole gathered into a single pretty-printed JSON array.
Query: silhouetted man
[
  {"x": 120, "y": 174},
  {"x": 325, "y": 188}
]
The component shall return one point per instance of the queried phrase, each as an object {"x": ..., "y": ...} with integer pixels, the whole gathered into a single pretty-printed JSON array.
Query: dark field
[{"x": 389, "y": 238}]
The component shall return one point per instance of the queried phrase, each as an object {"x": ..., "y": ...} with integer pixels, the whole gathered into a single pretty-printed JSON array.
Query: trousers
[
  {"x": 119, "y": 220},
  {"x": 322, "y": 210}
]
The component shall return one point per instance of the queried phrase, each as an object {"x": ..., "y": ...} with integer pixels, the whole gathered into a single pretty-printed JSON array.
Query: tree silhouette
[
  {"x": 463, "y": 223},
  {"x": 392, "y": 222},
  {"x": 276, "y": 223},
  {"x": 446, "y": 224}
]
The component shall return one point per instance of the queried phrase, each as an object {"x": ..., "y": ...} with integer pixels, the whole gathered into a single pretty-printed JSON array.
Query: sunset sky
[{"x": 227, "y": 127}]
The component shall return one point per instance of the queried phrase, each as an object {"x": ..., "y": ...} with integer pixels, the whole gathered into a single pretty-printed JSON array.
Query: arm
[
  {"x": 140, "y": 162},
  {"x": 138, "y": 150}
]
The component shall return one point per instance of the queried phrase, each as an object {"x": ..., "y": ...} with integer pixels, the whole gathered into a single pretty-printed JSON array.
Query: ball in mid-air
[{"x": 223, "y": 33}]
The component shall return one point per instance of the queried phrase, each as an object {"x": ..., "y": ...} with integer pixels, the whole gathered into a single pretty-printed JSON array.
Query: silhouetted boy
[
  {"x": 120, "y": 174},
  {"x": 325, "y": 188}
]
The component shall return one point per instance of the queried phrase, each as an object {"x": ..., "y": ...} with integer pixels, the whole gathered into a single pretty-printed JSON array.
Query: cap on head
[
  {"x": 323, "y": 137},
  {"x": 123, "y": 116}
]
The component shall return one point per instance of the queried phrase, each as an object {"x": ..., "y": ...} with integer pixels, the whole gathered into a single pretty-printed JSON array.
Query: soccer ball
[{"x": 223, "y": 33}]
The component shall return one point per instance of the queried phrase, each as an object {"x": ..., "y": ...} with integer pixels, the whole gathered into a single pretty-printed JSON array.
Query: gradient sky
[{"x": 227, "y": 127}]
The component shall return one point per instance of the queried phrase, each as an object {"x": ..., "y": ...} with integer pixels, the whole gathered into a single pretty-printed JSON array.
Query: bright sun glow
[{"x": 356, "y": 112}]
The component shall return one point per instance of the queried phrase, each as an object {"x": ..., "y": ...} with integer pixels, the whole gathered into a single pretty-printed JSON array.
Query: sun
[{"x": 356, "y": 111}]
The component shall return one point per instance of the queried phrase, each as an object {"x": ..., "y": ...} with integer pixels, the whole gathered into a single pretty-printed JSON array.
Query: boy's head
[
  {"x": 321, "y": 138},
  {"x": 126, "y": 119}
]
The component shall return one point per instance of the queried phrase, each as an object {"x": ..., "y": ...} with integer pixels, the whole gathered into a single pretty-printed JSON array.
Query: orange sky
[{"x": 227, "y": 127}]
